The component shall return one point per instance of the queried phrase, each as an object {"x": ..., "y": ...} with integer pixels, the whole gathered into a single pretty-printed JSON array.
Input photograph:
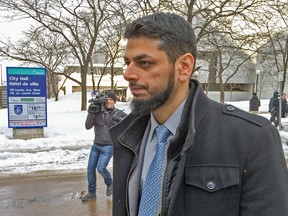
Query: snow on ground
[{"x": 66, "y": 145}]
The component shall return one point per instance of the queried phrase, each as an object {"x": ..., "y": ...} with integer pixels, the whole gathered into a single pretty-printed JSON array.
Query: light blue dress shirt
[{"x": 146, "y": 155}]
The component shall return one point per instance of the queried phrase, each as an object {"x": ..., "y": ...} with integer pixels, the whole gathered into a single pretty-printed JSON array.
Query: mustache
[{"x": 133, "y": 84}]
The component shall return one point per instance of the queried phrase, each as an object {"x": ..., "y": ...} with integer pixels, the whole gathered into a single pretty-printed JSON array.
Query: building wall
[
  {"x": 266, "y": 87},
  {"x": 230, "y": 96},
  {"x": 119, "y": 82}
]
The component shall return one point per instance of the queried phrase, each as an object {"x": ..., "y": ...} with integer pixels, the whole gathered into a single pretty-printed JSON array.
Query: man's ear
[{"x": 185, "y": 66}]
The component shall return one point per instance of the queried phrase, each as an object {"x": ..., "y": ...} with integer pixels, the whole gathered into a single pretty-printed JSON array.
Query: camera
[{"x": 97, "y": 102}]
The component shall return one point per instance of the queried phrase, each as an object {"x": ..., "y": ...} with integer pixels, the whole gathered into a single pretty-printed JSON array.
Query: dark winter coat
[
  {"x": 254, "y": 103},
  {"x": 102, "y": 121},
  {"x": 229, "y": 169},
  {"x": 272, "y": 100}
]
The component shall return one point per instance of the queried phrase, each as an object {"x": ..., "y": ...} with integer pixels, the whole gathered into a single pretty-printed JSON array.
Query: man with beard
[{"x": 219, "y": 160}]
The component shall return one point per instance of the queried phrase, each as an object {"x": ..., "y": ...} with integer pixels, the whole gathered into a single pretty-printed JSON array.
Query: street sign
[{"x": 26, "y": 93}]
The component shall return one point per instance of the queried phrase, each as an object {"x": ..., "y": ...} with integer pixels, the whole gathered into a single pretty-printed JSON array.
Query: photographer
[{"x": 102, "y": 114}]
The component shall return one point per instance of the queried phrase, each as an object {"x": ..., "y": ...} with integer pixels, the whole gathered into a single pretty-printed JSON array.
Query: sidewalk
[{"x": 52, "y": 196}]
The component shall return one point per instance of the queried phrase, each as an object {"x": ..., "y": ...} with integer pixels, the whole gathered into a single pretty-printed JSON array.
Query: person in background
[
  {"x": 218, "y": 159},
  {"x": 277, "y": 109},
  {"x": 102, "y": 114},
  {"x": 254, "y": 103},
  {"x": 271, "y": 107},
  {"x": 284, "y": 105}
]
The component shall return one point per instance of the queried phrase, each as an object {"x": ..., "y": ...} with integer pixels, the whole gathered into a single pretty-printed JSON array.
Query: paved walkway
[{"x": 52, "y": 196}]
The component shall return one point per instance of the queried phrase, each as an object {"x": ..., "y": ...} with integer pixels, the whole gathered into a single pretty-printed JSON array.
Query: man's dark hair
[{"x": 175, "y": 34}]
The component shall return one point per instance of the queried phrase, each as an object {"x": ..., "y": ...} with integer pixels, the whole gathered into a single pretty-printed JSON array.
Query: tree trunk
[{"x": 84, "y": 87}]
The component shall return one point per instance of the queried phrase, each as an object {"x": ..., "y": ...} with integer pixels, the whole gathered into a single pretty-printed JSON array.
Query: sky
[
  {"x": 66, "y": 143},
  {"x": 14, "y": 31}
]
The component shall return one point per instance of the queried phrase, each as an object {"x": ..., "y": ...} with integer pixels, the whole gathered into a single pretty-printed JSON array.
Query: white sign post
[
  {"x": 27, "y": 104},
  {"x": 280, "y": 101}
]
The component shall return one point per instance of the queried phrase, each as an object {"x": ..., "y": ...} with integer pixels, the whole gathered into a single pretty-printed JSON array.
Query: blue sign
[{"x": 27, "y": 101}]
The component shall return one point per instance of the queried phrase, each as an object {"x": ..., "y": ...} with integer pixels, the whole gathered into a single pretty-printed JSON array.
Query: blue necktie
[{"x": 152, "y": 189}]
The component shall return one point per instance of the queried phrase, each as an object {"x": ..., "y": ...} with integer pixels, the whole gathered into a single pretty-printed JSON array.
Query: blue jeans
[{"x": 99, "y": 158}]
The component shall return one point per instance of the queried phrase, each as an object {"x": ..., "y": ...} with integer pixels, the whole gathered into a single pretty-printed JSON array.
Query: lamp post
[{"x": 257, "y": 74}]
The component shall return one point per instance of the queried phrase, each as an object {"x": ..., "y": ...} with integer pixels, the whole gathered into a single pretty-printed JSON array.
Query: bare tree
[
  {"x": 79, "y": 23},
  {"x": 76, "y": 22},
  {"x": 232, "y": 63},
  {"x": 39, "y": 47},
  {"x": 273, "y": 55},
  {"x": 111, "y": 37},
  {"x": 229, "y": 20}
]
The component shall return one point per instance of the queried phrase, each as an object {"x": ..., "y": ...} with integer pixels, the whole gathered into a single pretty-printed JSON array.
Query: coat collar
[{"x": 196, "y": 107}]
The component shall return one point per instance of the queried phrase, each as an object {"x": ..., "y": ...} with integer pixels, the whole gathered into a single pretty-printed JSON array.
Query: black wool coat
[
  {"x": 222, "y": 162},
  {"x": 254, "y": 104}
]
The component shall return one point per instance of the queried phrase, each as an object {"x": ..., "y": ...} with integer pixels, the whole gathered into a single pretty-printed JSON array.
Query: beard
[{"x": 145, "y": 106}]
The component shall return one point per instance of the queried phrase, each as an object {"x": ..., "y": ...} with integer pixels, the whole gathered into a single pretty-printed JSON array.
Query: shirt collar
[{"x": 172, "y": 123}]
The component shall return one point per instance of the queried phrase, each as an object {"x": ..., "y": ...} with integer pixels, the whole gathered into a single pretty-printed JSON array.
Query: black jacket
[
  {"x": 254, "y": 103},
  {"x": 222, "y": 162}
]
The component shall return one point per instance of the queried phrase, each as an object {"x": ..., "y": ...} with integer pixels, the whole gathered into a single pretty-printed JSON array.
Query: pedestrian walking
[
  {"x": 271, "y": 107},
  {"x": 102, "y": 114},
  {"x": 254, "y": 103},
  {"x": 179, "y": 152}
]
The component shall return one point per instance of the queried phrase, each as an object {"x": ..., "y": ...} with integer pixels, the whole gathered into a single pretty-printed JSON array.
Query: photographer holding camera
[{"x": 102, "y": 114}]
